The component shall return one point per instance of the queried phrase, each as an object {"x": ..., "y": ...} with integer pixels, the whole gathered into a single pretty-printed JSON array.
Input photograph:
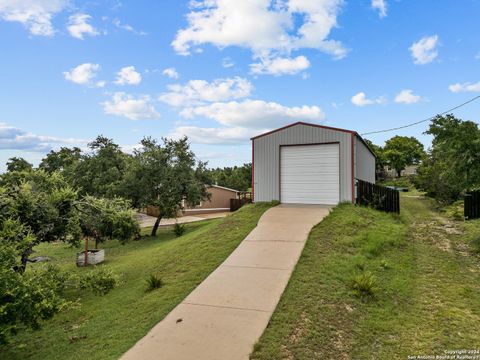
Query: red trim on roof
[
  {"x": 319, "y": 126},
  {"x": 303, "y": 123}
]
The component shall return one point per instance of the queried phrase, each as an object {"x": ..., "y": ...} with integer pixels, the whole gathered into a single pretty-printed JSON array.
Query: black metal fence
[
  {"x": 471, "y": 207},
  {"x": 379, "y": 197}
]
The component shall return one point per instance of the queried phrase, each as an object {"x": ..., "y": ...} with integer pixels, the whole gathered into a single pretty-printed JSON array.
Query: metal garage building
[{"x": 309, "y": 164}]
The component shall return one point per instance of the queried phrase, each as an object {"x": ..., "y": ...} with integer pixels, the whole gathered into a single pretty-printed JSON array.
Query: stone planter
[{"x": 94, "y": 257}]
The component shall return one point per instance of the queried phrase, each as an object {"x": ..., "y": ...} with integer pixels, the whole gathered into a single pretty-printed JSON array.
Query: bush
[
  {"x": 179, "y": 229},
  {"x": 455, "y": 210},
  {"x": 99, "y": 280},
  {"x": 154, "y": 282},
  {"x": 364, "y": 285},
  {"x": 27, "y": 299}
]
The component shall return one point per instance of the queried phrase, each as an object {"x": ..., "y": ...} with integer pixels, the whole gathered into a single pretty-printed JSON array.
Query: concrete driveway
[{"x": 227, "y": 313}]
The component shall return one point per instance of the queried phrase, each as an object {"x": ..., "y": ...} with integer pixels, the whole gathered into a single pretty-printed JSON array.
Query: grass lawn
[
  {"x": 104, "y": 327},
  {"x": 427, "y": 297}
]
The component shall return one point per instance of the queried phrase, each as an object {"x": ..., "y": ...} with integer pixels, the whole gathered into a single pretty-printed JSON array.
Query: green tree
[
  {"x": 106, "y": 219},
  {"x": 18, "y": 164},
  {"x": 44, "y": 203},
  {"x": 25, "y": 298},
  {"x": 165, "y": 175},
  {"x": 237, "y": 177},
  {"x": 62, "y": 160},
  {"x": 403, "y": 151},
  {"x": 453, "y": 163},
  {"x": 102, "y": 171}
]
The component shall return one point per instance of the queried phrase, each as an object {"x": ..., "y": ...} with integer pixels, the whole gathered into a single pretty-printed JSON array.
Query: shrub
[
  {"x": 154, "y": 282},
  {"x": 179, "y": 229},
  {"x": 99, "y": 280},
  {"x": 27, "y": 299},
  {"x": 455, "y": 210},
  {"x": 364, "y": 285}
]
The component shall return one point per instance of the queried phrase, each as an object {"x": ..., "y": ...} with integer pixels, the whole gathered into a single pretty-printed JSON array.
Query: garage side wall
[
  {"x": 364, "y": 162},
  {"x": 266, "y": 157}
]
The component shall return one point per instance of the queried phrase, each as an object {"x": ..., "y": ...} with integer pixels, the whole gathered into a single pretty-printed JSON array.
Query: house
[
  {"x": 309, "y": 164},
  {"x": 408, "y": 171},
  {"x": 219, "y": 201}
]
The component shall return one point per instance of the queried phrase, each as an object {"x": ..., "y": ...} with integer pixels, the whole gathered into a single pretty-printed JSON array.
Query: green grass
[
  {"x": 427, "y": 288},
  {"x": 104, "y": 327}
]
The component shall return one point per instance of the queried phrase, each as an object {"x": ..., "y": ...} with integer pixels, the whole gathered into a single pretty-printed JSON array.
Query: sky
[{"x": 222, "y": 71}]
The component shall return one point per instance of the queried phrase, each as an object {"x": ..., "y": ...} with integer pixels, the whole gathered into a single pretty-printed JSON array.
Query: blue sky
[{"x": 221, "y": 71}]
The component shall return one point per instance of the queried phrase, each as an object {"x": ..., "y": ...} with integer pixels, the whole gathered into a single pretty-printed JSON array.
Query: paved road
[
  {"x": 148, "y": 221},
  {"x": 227, "y": 313}
]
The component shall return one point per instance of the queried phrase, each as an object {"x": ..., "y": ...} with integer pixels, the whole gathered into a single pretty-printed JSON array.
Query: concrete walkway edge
[{"x": 227, "y": 313}]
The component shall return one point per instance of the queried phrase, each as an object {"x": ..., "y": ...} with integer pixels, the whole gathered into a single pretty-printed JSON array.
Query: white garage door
[{"x": 310, "y": 174}]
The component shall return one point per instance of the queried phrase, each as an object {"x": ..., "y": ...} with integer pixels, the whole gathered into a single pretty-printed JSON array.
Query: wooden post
[{"x": 86, "y": 251}]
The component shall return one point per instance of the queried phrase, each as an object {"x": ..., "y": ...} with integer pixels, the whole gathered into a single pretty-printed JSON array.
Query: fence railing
[
  {"x": 379, "y": 197},
  {"x": 471, "y": 205},
  {"x": 243, "y": 198}
]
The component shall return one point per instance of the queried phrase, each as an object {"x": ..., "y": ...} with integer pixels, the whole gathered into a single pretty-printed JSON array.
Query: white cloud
[
  {"x": 171, "y": 73},
  {"x": 128, "y": 27},
  {"x": 280, "y": 66},
  {"x": 380, "y": 6},
  {"x": 465, "y": 87},
  {"x": 35, "y": 15},
  {"x": 130, "y": 107},
  {"x": 84, "y": 74},
  {"x": 407, "y": 97},
  {"x": 360, "y": 99},
  {"x": 12, "y": 138},
  {"x": 227, "y": 62},
  {"x": 424, "y": 50},
  {"x": 78, "y": 26},
  {"x": 218, "y": 136},
  {"x": 128, "y": 76},
  {"x": 254, "y": 113},
  {"x": 262, "y": 25},
  {"x": 201, "y": 91},
  {"x": 477, "y": 56}
]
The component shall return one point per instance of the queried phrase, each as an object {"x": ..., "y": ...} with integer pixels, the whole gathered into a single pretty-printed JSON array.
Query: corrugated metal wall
[
  {"x": 364, "y": 162},
  {"x": 267, "y": 158}
]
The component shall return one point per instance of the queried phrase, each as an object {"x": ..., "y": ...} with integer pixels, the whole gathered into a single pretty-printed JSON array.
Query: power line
[{"x": 424, "y": 120}]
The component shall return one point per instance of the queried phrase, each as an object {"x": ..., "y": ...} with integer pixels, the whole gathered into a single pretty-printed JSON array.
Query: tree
[
  {"x": 403, "y": 151},
  {"x": 165, "y": 175},
  {"x": 44, "y": 203},
  {"x": 106, "y": 219},
  {"x": 25, "y": 298},
  {"x": 453, "y": 163},
  {"x": 102, "y": 171},
  {"x": 18, "y": 164},
  {"x": 37, "y": 206},
  {"x": 237, "y": 177},
  {"x": 62, "y": 160}
]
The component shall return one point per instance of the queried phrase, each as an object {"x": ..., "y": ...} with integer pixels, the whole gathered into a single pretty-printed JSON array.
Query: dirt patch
[
  {"x": 434, "y": 233},
  {"x": 340, "y": 345},
  {"x": 438, "y": 231},
  {"x": 300, "y": 329}
]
